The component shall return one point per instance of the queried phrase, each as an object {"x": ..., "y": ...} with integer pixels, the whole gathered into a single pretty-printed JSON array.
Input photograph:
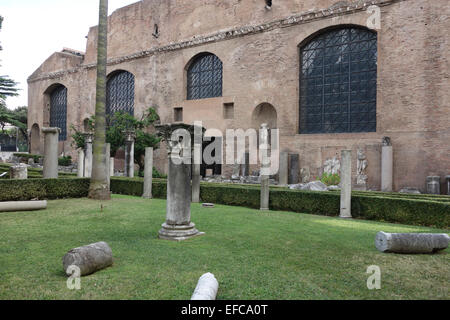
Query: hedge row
[
  {"x": 33, "y": 173},
  {"x": 412, "y": 211},
  {"x": 43, "y": 189},
  {"x": 135, "y": 187},
  {"x": 396, "y": 195}
]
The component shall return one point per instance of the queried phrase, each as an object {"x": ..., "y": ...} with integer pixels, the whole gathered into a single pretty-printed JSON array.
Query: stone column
[
  {"x": 178, "y": 225},
  {"x": 108, "y": 163},
  {"x": 284, "y": 169},
  {"x": 148, "y": 173},
  {"x": 346, "y": 181},
  {"x": 294, "y": 168},
  {"x": 50, "y": 152},
  {"x": 447, "y": 179},
  {"x": 411, "y": 242},
  {"x": 19, "y": 172},
  {"x": 434, "y": 185},
  {"x": 80, "y": 163},
  {"x": 387, "y": 165},
  {"x": 111, "y": 166},
  {"x": 88, "y": 155},
  {"x": 265, "y": 166},
  {"x": 129, "y": 153},
  {"x": 196, "y": 183}
]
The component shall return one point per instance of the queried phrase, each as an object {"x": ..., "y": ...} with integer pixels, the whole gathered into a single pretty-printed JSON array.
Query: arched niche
[
  {"x": 55, "y": 108},
  {"x": 35, "y": 139},
  {"x": 264, "y": 113}
]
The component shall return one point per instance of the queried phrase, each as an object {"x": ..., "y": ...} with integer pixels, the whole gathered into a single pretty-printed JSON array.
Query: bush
[
  {"x": 43, "y": 189},
  {"x": 65, "y": 161},
  {"x": 405, "y": 209},
  {"x": 34, "y": 173},
  {"x": 156, "y": 174},
  {"x": 135, "y": 187},
  {"x": 25, "y": 156},
  {"x": 330, "y": 179},
  {"x": 433, "y": 211}
]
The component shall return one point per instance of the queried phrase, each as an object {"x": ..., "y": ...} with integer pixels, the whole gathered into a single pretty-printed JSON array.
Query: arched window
[
  {"x": 204, "y": 77},
  {"x": 120, "y": 93},
  {"x": 338, "y": 82},
  {"x": 58, "y": 110}
]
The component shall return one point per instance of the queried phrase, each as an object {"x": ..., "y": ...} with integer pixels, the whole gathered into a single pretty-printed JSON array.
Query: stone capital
[{"x": 51, "y": 130}]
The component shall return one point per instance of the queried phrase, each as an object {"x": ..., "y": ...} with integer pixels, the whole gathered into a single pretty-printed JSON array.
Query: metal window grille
[
  {"x": 204, "y": 78},
  {"x": 338, "y": 82},
  {"x": 120, "y": 93},
  {"x": 58, "y": 111}
]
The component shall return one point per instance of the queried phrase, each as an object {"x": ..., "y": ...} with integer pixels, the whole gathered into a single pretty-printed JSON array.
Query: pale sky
[{"x": 35, "y": 29}]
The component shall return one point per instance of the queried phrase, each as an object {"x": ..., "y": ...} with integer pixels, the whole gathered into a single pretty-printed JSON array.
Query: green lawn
[{"x": 254, "y": 255}]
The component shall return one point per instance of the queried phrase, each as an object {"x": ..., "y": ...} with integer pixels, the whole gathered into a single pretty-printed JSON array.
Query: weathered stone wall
[{"x": 260, "y": 54}]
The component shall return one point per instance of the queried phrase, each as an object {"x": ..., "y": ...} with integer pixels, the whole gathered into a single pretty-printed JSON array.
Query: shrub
[
  {"x": 330, "y": 179},
  {"x": 405, "y": 209},
  {"x": 43, "y": 189},
  {"x": 65, "y": 161},
  {"x": 156, "y": 174},
  {"x": 135, "y": 187},
  {"x": 25, "y": 156}
]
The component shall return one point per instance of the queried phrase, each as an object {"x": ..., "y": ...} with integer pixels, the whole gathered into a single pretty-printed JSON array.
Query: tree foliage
[
  {"x": 8, "y": 87},
  {"x": 117, "y": 124}
]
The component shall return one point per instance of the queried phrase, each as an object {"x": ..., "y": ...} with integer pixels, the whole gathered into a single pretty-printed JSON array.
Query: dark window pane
[
  {"x": 204, "y": 78},
  {"x": 120, "y": 93},
  {"x": 58, "y": 111},
  {"x": 338, "y": 82}
]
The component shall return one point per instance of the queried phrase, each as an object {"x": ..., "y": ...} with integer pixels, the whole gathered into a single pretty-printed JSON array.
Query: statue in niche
[
  {"x": 332, "y": 166},
  {"x": 386, "y": 141},
  {"x": 305, "y": 175},
  {"x": 361, "y": 177}
]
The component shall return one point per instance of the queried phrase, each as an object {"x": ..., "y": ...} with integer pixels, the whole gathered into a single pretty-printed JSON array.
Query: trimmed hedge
[
  {"x": 405, "y": 209},
  {"x": 43, "y": 189},
  {"x": 33, "y": 173},
  {"x": 135, "y": 187},
  {"x": 433, "y": 211}
]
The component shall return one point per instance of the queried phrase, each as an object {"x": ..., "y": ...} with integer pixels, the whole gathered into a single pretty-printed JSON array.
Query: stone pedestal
[
  {"x": 178, "y": 225},
  {"x": 434, "y": 185},
  {"x": 148, "y": 173},
  {"x": 80, "y": 166},
  {"x": 284, "y": 169},
  {"x": 88, "y": 156},
  {"x": 447, "y": 180},
  {"x": 129, "y": 154},
  {"x": 387, "y": 166},
  {"x": 346, "y": 181},
  {"x": 50, "y": 152},
  {"x": 294, "y": 168},
  {"x": 19, "y": 172}
]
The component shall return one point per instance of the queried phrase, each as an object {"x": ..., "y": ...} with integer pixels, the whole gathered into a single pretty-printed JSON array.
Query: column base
[{"x": 179, "y": 233}]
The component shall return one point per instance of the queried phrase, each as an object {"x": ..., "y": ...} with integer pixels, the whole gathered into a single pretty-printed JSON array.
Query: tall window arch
[
  {"x": 338, "y": 82},
  {"x": 204, "y": 77},
  {"x": 58, "y": 110},
  {"x": 120, "y": 93}
]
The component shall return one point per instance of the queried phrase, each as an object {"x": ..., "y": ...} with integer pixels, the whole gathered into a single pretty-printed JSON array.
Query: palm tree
[{"x": 98, "y": 188}]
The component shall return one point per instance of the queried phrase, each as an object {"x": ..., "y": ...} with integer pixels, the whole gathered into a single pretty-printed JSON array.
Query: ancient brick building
[{"x": 321, "y": 71}]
